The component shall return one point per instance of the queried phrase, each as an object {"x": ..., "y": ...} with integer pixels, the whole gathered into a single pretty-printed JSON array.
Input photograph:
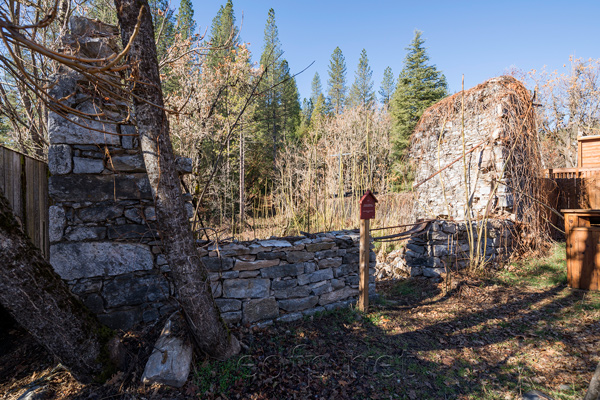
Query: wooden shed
[{"x": 588, "y": 151}]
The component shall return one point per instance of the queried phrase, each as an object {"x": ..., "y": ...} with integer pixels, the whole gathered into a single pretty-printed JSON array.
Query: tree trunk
[
  {"x": 188, "y": 273},
  {"x": 41, "y": 302},
  {"x": 593, "y": 392}
]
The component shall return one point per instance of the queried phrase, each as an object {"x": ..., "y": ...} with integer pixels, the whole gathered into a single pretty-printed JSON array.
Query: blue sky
[{"x": 480, "y": 39}]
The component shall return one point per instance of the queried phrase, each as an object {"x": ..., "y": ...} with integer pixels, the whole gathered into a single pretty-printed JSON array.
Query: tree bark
[
  {"x": 593, "y": 392},
  {"x": 188, "y": 273},
  {"x": 41, "y": 302}
]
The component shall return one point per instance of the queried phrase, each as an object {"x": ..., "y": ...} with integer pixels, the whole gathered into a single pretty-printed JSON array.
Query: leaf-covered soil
[{"x": 466, "y": 338}]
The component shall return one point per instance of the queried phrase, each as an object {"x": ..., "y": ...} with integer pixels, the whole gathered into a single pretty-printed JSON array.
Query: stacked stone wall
[
  {"x": 444, "y": 246},
  {"x": 286, "y": 278}
]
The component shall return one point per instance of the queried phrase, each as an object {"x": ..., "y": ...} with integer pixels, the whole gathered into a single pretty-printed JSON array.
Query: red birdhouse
[{"x": 367, "y": 206}]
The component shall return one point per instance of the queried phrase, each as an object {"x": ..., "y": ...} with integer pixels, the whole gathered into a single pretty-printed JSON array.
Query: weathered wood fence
[
  {"x": 576, "y": 188},
  {"x": 24, "y": 182}
]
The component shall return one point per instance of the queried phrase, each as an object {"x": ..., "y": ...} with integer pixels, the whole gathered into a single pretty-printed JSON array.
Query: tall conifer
[
  {"x": 337, "y": 80},
  {"x": 361, "y": 92},
  {"x": 419, "y": 86},
  {"x": 388, "y": 85}
]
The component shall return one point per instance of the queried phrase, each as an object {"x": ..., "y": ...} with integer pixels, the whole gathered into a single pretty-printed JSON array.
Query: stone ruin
[
  {"x": 496, "y": 131},
  {"x": 104, "y": 238}
]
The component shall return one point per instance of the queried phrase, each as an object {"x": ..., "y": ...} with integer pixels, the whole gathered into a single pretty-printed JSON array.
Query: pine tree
[
  {"x": 419, "y": 86},
  {"x": 387, "y": 87},
  {"x": 289, "y": 103},
  {"x": 223, "y": 35},
  {"x": 316, "y": 88},
  {"x": 278, "y": 109},
  {"x": 361, "y": 92},
  {"x": 185, "y": 19},
  {"x": 337, "y": 80}
]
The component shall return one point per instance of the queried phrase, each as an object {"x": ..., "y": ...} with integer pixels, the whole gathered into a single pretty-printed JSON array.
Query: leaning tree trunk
[
  {"x": 189, "y": 274},
  {"x": 41, "y": 302}
]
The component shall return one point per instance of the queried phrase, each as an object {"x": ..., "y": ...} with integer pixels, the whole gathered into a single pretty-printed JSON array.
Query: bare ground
[{"x": 473, "y": 338}]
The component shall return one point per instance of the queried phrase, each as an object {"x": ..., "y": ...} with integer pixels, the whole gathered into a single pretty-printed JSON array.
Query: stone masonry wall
[
  {"x": 286, "y": 278},
  {"x": 437, "y": 142},
  {"x": 444, "y": 245}
]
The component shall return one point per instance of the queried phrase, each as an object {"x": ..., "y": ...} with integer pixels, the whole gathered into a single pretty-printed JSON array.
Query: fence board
[{"x": 24, "y": 182}]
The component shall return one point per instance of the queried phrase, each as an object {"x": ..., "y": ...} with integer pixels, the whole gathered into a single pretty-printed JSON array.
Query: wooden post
[{"x": 363, "y": 285}]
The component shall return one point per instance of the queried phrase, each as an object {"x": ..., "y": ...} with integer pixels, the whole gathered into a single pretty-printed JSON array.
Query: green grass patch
[
  {"x": 541, "y": 272},
  {"x": 221, "y": 376}
]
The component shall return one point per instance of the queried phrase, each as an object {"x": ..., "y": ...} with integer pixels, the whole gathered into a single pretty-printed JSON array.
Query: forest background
[{"x": 270, "y": 162}]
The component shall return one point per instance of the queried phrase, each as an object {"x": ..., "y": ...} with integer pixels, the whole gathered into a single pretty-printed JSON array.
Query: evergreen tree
[
  {"x": 387, "y": 86},
  {"x": 419, "y": 86},
  {"x": 185, "y": 19},
  {"x": 316, "y": 88},
  {"x": 289, "y": 103},
  {"x": 278, "y": 110},
  {"x": 337, "y": 80},
  {"x": 223, "y": 35},
  {"x": 361, "y": 92}
]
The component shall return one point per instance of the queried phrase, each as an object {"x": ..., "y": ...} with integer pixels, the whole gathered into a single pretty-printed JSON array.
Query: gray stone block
[
  {"x": 63, "y": 130},
  {"x": 130, "y": 290},
  {"x": 279, "y": 244},
  {"x": 130, "y": 141},
  {"x": 316, "y": 276},
  {"x": 281, "y": 271},
  {"x": 170, "y": 361},
  {"x": 268, "y": 255},
  {"x": 227, "y": 305},
  {"x": 88, "y": 259},
  {"x": 87, "y": 165},
  {"x": 134, "y": 215},
  {"x": 284, "y": 284},
  {"x": 150, "y": 213},
  {"x": 320, "y": 288},
  {"x": 100, "y": 213},
  {"x": 184, "y": 165},
  {"x": 246, "y": 288},
  {"x": 299, "y": 256},
  {"x": 60, "y": 160},
  {"x": 319, "y": 246},
  {"x": 80, "y": 188},
  {"x": 127, "y": 163},
  {"x": 345, "y": 269},
  {"x": 131, "y": 231},
  {"x": 57, "y": 223},
  {"x": 330, "y": 262},
  {"x": 300, "y": 304},
  {"x": 260, "y": 309},
  {"x": 82, "y": 233},
  {"x": 337, "y": 295},
  {"x": 233, "y": 317},
  {"x": 254, "y": 265},
  {"x": 327, "y": 254},
  {"x": 293, "y": 292},
  {"x": 351, "y": 258}
]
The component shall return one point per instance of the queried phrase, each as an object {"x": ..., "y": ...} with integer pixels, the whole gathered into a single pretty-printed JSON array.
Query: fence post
[{"x": 363, "y": 284}]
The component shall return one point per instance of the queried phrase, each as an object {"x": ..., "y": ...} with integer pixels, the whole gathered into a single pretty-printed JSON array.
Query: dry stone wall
[{"x": 286, "y": 278}]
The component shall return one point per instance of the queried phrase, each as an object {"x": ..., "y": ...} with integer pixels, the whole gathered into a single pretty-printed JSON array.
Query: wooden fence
[
  {"x": 576, "y": 188},
  {"x": 24, "y": 182}
]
